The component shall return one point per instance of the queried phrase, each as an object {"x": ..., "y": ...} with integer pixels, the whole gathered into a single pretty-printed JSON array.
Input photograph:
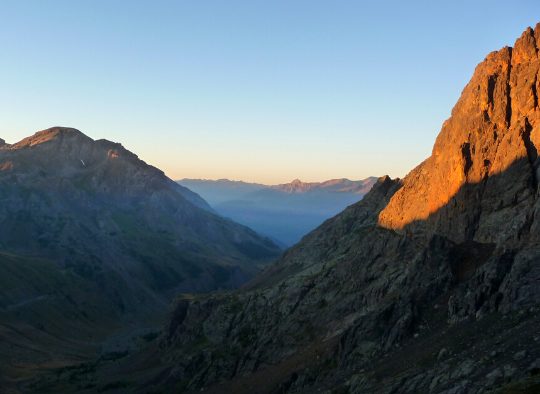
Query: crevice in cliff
[
  {"x": 508, "y": 105},
  {"x": 466, "y": 154},
  {"x": 532, "y": 153},
  {"x": 492, "y": 81},
  {"x": 534, "y": 92},
  {"x": 508, "y": 95}
]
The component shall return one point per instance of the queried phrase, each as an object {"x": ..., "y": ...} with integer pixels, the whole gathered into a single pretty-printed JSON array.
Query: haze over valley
[{"x": 284, "y": 212}]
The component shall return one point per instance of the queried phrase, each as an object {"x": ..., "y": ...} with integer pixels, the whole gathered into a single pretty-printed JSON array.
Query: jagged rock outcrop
[
  {"x": 480, "y": 181},
  {"x": 430, "y": 284}
]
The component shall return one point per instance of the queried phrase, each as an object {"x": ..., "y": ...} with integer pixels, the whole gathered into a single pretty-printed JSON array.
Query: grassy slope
[{"x": 49, "y": 317}]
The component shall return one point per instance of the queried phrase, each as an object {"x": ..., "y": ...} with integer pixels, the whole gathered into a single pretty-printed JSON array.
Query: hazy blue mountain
[
  {"x": 285, "y": 212},
  {"x": 221, "y": 190}
]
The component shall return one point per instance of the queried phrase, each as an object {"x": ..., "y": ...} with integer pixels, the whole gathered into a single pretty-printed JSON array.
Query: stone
[
  {"x": 463, "y": 369},
  {"x": 442, "y": 353},
  {"x": 509, "y": 371},
  {"x": 520, "y": 355},
  {"x": 493, "y": 377}
]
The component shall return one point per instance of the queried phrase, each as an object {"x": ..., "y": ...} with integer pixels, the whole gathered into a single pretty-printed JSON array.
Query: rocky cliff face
[
  {"x": 429, "y": 284},
  {"x": 480, "y": 181}
]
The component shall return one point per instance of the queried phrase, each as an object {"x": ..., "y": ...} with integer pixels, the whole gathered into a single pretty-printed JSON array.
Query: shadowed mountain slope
[
  {"x": 93, "y": 205},
  {"x": 91, "y": 236}
]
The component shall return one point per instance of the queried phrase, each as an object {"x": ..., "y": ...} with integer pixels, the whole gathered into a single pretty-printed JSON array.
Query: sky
[{"x": 252, "y": 90}]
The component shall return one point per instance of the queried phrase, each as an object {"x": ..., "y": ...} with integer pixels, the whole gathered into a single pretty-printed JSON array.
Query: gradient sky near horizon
[{"x": 254, "y": 90}]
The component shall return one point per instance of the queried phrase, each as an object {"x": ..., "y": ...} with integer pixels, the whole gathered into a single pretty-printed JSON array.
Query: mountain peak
[
  {"x": 335, "y": 185},
  {"x": 51, "y": 134},
  {"x": 526, "y": 46},
  {"x": 295, "y": 186},
  {"x": 492, "y": 138},
  {"x": 58, "y": 131}
]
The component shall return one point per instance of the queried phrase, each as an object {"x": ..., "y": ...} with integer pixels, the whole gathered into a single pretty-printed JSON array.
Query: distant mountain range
[{"x": 285, "y": 212}]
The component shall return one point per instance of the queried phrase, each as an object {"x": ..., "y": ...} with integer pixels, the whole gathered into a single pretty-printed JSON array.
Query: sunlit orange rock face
[{"x": 485, "y": 157}]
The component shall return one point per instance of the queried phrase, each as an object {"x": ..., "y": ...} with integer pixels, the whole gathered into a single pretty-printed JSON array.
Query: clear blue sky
[{"x": 256, "y": 90}]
